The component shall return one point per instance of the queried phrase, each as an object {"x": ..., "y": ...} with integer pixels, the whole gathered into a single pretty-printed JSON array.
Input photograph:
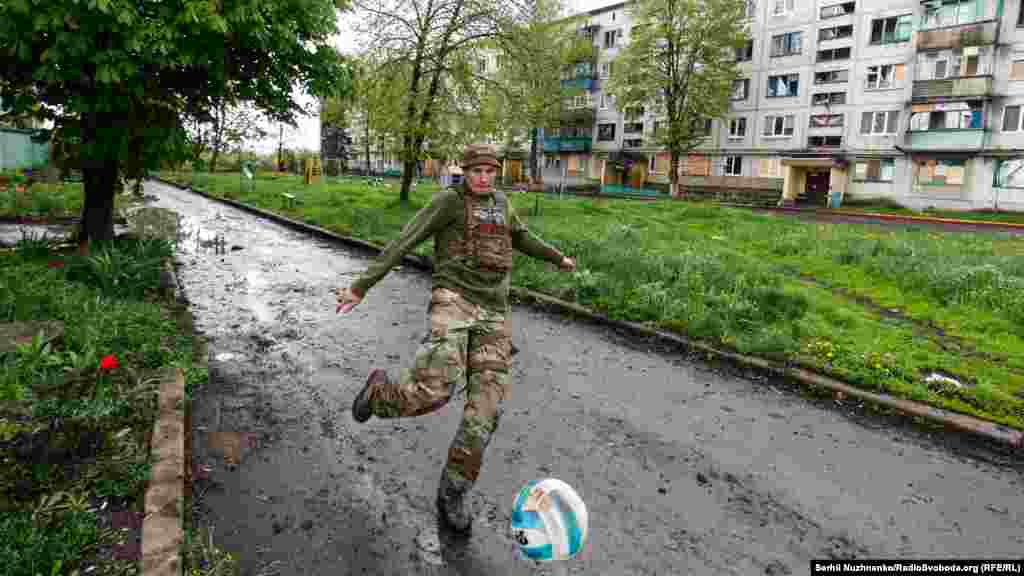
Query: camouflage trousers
[{"x": 468, "y": 346}]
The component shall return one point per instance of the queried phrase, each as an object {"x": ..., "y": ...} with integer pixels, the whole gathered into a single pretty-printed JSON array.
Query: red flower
[{"x": 108, "y": 363}]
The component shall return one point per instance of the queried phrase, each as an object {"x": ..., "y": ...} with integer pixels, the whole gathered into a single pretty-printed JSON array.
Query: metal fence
[{"x": 17, "y": 150}]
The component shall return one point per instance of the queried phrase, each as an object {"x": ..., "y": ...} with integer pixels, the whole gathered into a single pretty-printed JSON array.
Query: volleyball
[{"x": 549, "y": 520}]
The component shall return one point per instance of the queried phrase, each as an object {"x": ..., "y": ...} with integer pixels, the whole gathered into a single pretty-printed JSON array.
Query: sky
[{"x": 307, "y": 133}]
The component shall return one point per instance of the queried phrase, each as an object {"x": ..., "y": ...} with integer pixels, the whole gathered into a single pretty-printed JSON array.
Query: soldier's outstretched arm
[
  {"x": 426, "y": 223},
  {"x": 530, "y": 244}
]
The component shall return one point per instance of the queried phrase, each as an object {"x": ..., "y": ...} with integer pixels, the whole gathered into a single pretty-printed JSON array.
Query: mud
[{"x": 684, "y": 468}]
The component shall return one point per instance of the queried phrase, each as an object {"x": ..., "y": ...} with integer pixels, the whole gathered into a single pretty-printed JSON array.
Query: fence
[{"x": 17, "y": 150}]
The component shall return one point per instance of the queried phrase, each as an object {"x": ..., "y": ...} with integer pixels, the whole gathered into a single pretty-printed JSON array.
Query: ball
[{"x": 549, "y": 520}]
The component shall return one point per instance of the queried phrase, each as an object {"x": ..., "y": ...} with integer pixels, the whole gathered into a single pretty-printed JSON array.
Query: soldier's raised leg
[{"x": 439, "y": 367}]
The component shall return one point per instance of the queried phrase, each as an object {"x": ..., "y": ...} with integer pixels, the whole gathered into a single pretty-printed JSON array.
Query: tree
[
  {"x": 434, "y": 47},
  {"x": 535, "y": 57},
  {"x": 118, "y": 76},
  {"x": 681, "y": 57}
]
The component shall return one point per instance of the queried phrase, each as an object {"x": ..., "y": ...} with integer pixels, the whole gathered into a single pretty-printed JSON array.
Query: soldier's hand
[
  {"x": 347, "y": 300},
  {"x": 567, "y": 264}
]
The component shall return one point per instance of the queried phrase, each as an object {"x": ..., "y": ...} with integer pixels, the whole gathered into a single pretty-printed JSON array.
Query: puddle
[{"x": 257, "y": 286}]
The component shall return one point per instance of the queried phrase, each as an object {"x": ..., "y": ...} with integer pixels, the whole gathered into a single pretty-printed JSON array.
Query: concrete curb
[
  {"x": 960, "y": 422},
  {"x": 162, "y": 533}
]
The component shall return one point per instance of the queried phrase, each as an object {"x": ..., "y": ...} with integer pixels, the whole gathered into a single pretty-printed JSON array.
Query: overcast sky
[{"x": 307, "y": 135}]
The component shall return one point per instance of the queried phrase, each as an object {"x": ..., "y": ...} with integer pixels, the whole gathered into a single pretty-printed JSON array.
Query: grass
[
  {"x": 880, "y": 308},
  {"x": 73, "y": 436},
  {"x": 43, "y": 200}
]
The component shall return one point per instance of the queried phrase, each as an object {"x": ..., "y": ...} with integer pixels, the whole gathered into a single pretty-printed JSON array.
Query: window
[
  {"x": 606, "y": 69},
  {"x": 733, "y": 165},
  {"x": 1017, "y": 70},
  {"x": 786, "y": 44},
  {"x": 826, "y": 121},
  {"x": 770, "y": 168},
  {"x": 750, "y": 9},
  {"x": 632, "y": 127},
  {"x": 1010, "y": 173},
  {"x": 940, "y": 172},
  {"x": 835, "y": 33},
  {"x": 613, "y": 16},
  {"x": 831, "y": 77},
  {"x": 837, "y": 10},
  {"x": 782, "y": 7},
  {"x": 824, "y": 141},
  {"x": 882, "y": 170},
  {"x": 606, "y": 132},
  {"x": 891, "y": 30},
  {"x": 953, "y": 64},
  {"x": 740, "y": 89},
  {"x": 704, "y": 127},
  {"x": 746, "y": 53},
  {"x": 953, "y": 116},
  {"x": 939, "y": 13},
  {"x": 877, "y": 123},
  {"x": 834, "y": 54},
  {"x": 607, "y": 100},
  {"x": 783, "y": 86},
  {"x": 1020, "y": 16},
  {"x": 1011, "y": 119},
  {"x": 632, "y": 143},
  {"x": 737, "y": 127},
  {"x": 610, "y": 37},
  {"x": 634, "y": 113},
  {"x": 778, "y": 126},
  {"x": 829, "y": 99},
  {"x": 885, "y": 76}
]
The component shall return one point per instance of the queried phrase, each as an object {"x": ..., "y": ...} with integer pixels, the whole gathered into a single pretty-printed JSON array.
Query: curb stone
[
  {"x": 961, "y": 422},
  {"x": 162, "y": 533}
]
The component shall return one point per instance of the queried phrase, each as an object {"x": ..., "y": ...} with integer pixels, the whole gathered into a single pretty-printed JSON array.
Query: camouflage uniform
[{"x": 469, "y": 342}]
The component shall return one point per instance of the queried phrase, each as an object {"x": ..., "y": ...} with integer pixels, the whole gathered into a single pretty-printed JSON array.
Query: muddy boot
[
  {"x": 361, "y": 411},
  {"x": 453, "y": 506}
]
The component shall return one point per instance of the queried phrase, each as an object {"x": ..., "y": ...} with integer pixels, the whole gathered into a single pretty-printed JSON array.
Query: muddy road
[{"x": 684, "y": 469}]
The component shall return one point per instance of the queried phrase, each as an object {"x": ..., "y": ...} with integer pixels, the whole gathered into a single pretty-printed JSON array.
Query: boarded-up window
[
  {"x": 941, "y": 172},
  {"x": 1017, "y": 70},
  {"x": 770, "y": 168},
  {"x": 882, "y": 170},
  {"x": 695, "y": 165},
  {"x": 662, "y": 163}
]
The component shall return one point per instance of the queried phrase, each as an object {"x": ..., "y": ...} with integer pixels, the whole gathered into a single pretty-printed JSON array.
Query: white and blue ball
[{"x": 549, "y": 520}]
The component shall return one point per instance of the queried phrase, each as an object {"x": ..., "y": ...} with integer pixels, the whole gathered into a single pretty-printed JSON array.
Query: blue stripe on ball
[
  {"x": 538, "y": 552},
  {"x": 527, "y": 520},
  {"x": 571, "y": 526}
]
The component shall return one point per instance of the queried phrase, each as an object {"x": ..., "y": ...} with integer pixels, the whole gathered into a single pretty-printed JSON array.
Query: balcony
[
  {"x": 958, "y": 35},
  {"x": 952, "y": 89},
  {"x": 953, "y": 140},
  {"x": 583, "y": 82},
  {"x": 559, "y": 144}
]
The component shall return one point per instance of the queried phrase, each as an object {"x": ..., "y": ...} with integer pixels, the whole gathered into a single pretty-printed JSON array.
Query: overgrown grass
[
  {"x": 43, "y": 200},
  {"x": 70, "y": 431},
  {"x": 890, "y": 207},
  {"x": 880, "y": 308}
]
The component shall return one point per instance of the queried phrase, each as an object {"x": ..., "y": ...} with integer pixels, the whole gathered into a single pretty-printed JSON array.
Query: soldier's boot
[
  {"x": 453, "y": 505},
  {"x": 361, "y": 409}
]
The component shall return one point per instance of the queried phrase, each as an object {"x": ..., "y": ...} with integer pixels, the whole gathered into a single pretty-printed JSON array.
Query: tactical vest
[{"x": 487, "y": 237}]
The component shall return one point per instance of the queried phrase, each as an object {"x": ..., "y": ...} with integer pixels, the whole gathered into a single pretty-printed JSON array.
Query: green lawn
[
  {"x": 882, "y": 309},
  {"x": 89, "y": 424}
]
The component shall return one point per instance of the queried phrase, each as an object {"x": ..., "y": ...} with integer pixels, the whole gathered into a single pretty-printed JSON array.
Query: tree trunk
[
  {"x": 367, "y": 143},
  {"x": 97, "y": 223},
  {"x": 674, "y": 175},
  {"x": 535, "y": 173}
]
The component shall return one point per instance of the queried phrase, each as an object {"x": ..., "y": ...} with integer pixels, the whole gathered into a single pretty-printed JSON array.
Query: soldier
[{"x": 474, "y": 230}]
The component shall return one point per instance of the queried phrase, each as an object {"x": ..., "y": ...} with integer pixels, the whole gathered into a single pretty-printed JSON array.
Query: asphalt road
[{"x": 685, "y": 468}]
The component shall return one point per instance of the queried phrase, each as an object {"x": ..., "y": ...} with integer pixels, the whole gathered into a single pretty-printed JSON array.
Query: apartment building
[{"x": 920, "y": 102}]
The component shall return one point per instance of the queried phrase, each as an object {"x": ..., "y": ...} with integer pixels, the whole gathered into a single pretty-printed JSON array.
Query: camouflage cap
[{"x": 476, "y": 154}]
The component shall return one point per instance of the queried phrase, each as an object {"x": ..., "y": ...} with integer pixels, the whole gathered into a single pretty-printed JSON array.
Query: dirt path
[{"x": 684, "y": 470}]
